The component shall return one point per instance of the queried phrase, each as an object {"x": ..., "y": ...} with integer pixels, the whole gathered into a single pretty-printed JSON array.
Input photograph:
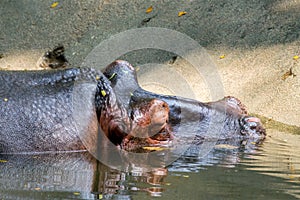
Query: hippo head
[{"x": 238, "y": 124}]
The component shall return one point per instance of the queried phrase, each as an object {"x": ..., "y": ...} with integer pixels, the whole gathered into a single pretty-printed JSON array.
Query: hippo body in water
[{"x": 37, "y": 110}]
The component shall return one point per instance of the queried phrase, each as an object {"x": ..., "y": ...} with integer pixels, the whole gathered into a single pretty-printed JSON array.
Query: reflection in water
[
  {"x": 36, "y": 176},
  {"x": 232, "y": 169},
  {"x": 279, "y": 157}
]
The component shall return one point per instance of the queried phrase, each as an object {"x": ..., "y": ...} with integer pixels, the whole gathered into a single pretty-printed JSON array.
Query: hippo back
[{"x": 37, "y": 109}]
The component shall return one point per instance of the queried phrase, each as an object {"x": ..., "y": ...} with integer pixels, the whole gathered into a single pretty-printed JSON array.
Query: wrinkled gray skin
[{"x": 36, "y": 109}]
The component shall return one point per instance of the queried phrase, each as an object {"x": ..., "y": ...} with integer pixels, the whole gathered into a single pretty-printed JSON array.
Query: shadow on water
[{"x": 231, "y": 170}]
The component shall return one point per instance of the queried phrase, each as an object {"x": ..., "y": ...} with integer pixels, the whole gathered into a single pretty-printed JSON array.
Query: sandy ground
[{"x": 258, "y": 40}]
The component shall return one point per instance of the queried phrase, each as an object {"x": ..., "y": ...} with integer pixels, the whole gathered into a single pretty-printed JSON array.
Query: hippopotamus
[
  {"x": 235, "y": 121},
  {"x": 37, "y": 110}
]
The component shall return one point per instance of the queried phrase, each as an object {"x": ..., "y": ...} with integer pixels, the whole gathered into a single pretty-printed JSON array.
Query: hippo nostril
[{"x": 249, "y": 125}]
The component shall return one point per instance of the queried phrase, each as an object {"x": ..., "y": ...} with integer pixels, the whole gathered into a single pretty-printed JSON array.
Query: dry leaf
[
  {"x": 287, "y": 74},
  {"x": 291, "y": 177},
  {"x": 181, "y": 13},
  {"x": 54, "y": 4},
  {"x": 222, "y": 56},
  {"x": 154, "y": 148},
  {"x": 149, "y": 10}
]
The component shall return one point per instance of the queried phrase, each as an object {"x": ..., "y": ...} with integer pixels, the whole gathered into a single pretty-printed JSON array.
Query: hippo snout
[{"x": 252, "y": 127}]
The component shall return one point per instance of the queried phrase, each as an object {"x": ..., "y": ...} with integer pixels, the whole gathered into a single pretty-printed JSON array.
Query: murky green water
[{"x": 270, "y": 170}]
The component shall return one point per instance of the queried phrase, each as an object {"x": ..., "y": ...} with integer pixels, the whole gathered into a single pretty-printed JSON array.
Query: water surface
[{"x": 270, "y": 170}]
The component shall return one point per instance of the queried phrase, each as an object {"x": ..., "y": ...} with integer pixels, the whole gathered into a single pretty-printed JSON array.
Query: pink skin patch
[
  {"x": 125, "y": 63},
  {"x": 253, "y": 119}
]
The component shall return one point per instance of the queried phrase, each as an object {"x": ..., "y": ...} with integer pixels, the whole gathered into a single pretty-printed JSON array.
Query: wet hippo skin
[
  {"x": 37, "y": 109},
  {"x": 227, "y": 116},
  {"x": 37, "y": 112}
]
